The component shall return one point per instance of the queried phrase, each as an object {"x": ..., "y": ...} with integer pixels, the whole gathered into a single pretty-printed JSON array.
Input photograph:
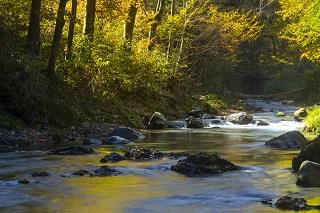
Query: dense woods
[{"x": 118, "y": 61}]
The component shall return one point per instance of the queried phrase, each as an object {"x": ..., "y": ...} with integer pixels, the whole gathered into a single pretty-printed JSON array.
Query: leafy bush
[{"x": 313, "y": 120}]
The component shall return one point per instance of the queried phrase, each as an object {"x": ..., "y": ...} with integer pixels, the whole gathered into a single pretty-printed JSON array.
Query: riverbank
[{"x": 15, "y": 134}]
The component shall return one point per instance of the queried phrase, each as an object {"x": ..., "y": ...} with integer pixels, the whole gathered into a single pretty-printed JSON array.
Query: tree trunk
[
  {"x": 57, "y": 36},
  {"x": 154, "y": 24},
  {"x": 71, "y": 28},
  {"x": 172, "y": 13},
  {"x": 33, "y": 40},
  {"x": 88, "y": 28},
  {"x": 129, "y": 24},
  {"x": 185, "y": 3},
  {"x": 184, "y": 28}
]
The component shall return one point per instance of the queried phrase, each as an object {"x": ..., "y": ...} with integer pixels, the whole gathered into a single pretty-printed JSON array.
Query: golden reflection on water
[{"x": 108, "y": 194}]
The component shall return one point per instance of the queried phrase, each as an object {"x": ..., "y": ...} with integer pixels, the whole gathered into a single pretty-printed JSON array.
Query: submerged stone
[
  {"x": 117, "y": 140},
  {"x": 24, "y": 181},
  {"x": 80, "y": 173},
  {"x": 73, "y": 150},
  {"x": 40, "y": 174},
  {"x": 126, "y": 132},
  {"x": 113, "y": 157},
  {"x": 138, "y": 153},
  {"x": 176, "y": 124},
  {"x": 105, "y": 171}
]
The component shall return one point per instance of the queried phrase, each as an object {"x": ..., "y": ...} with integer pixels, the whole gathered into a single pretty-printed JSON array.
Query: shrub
[{"x": 313, "y": 120}]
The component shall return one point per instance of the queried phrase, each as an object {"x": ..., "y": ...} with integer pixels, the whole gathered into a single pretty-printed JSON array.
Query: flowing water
[{"x": 150, "y": 186}]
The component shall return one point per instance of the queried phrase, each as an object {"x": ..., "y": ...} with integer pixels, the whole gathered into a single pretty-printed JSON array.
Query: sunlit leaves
[{"x": 303, "y": 29}]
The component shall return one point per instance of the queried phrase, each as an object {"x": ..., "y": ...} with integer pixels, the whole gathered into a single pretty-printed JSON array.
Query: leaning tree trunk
[
  {"x": 71, "y": 28},
  {"x": 57, "y": 36},
  {"x": 88, "y": 28},
  {"x": 33, "y": 40},
  {"x": 154, "y": 24},
  {"x": 129, "y": 24},
  {"x": 172, "y": 13}
]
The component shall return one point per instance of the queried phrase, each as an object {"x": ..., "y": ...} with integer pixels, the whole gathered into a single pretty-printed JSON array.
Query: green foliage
[
  {"x": 215, "y": 46},
  {"x": 313, "y": 120}
]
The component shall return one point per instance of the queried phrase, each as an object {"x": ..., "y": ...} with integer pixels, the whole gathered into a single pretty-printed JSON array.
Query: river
[{"x": 150, "y": 186}]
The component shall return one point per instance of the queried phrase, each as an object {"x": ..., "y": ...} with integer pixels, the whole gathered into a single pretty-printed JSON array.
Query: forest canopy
[{"x": 120, "y": 60}]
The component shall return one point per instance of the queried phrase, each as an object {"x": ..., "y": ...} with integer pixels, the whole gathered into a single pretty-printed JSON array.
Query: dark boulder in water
[
  {"x": 39, "y": 174},
  {"x": 24, "y": 181},
  {"x": 195, "y": 123},
  {"x": 113, "y": 157},
  {"x": 203, "y": 164},
  {"x": 176, "y": 124},
  {"x": 73, "y": 150},
  {"x": 310, "y": 152},
  {"x": 289, "y": 140},
  {"x": 126, "y": 132},
  {"x": 105, "y": 171},
  {"x": 80, "y": 173},
  {"x": 261, "y": 123},
  {"x": 117, "y": 140},
  {"x": 138, "y": 153},
  {"x": 309, "y": 174}
]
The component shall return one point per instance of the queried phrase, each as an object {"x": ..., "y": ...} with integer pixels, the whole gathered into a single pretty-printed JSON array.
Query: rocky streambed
[{"x": 166, "y": 170}]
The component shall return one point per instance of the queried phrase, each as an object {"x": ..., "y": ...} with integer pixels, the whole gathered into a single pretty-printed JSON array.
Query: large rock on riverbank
[
  {"x": 310, "y": 152},
  {"x": 241, "y": 118},
  {"x": 300, "y": 113},
  {"x": 203, "y": 164},
  {"x": 309, "y": 174},
  {"x": 195, "y": 123},
  {"x": 157, "y": 121},
  {"x": 289, "y": 140}
]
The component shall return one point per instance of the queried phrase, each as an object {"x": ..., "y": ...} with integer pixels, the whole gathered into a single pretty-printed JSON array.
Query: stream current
[{"x": 150, "y": 186}]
